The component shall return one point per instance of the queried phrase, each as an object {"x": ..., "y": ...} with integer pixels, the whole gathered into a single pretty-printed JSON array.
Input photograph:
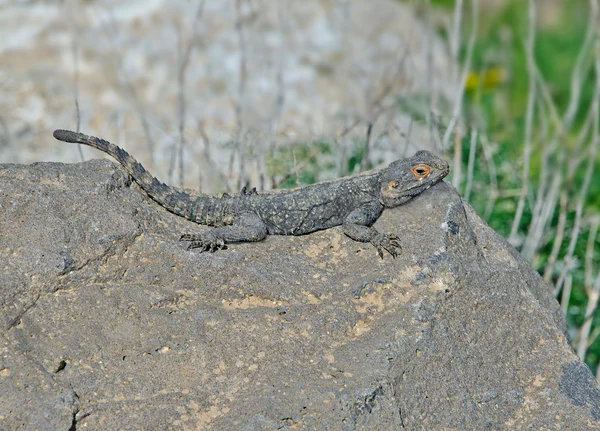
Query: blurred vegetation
[
  {"x": 495, "y": 104},
  {"x": 300, "y": 164}
]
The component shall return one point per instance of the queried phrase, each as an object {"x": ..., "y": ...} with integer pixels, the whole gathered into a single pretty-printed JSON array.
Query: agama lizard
[{"x": 354, "y": 202}]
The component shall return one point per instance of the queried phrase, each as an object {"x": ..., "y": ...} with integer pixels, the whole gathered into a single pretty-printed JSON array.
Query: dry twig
[
  {"x": 493, "y": 193},
  {"x": 458, "y": 101},
  {"x": 471, "y": 165},
  {"x": 529, "y": 49},
  {"x": 591, "y": 161},
  {"x": 75, "y": 54},
  {"x": 593, "y": 292},
  {"x": 183, "y": 61}
]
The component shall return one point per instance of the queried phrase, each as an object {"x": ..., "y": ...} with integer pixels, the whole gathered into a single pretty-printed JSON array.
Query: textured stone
[{"x": 109, "y": 323}]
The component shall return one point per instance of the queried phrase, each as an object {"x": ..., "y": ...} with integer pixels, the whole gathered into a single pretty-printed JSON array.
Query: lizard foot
[
  {"x": 211, "y": 246},
  {"x": 387, "y": 242},
  {"x": 248, "y": 192},
  {"x": 191, "y": 237},
  {"x": 204, "y": 242}
]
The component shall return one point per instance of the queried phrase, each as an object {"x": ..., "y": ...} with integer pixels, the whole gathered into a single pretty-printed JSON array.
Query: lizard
[{"x": 354, "y": 202}]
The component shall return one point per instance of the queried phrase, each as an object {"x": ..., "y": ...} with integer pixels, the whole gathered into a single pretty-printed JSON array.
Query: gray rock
[{"x": 109, "y": 323}]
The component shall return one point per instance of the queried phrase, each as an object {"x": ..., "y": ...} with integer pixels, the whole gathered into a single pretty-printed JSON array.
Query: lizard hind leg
[{"x": 246, "y": 227}]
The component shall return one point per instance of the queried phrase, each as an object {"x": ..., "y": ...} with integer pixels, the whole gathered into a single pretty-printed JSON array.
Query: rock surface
[{"x": 109, "y": 323}]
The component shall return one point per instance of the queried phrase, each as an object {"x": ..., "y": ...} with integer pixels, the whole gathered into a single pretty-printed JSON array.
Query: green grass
[{"x": 498, "y": 110}]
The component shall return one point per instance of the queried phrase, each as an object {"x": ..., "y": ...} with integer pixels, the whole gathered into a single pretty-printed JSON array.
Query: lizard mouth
[
  {"x": 407, "y": 194},
  {"x": 419, "y": 188}
]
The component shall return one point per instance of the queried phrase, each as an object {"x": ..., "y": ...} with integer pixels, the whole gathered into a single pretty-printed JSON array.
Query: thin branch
[
  {"x": 589, "y": 252},
  {"x": 584, "y": 333},
  {"x": 408, "y": 133},
  {"x": 529, "y": 48},
  {"x": 543, "y": 211},
  {"x": 471, "y": 165},
  {"x": 239, "y": 104},
  {"x": 429, "y": 67},
  {"x": 547, "y": 97},
  {"x": 183, "y": 63},
  {"x": 298, "y": 166},
  {"x": 296, "y": 171},
  {"x": 593, "y": 335},
  {"x": 384, "y": 134},
  {"x": 75, "y": 53},
  {"x": 456, "y": 30},
  {"x": 591, "y": 161},
  {"x": 562, "y": 127},
  {"x": 578, "y": 153},
  {"x": 206, "y": 155},
  {"x": 280, "y": 100},
  {"x": 435, "y": 133},
  {"x": 457, "y": 161},
  {"x": 593, "y": 293},
  {"x": 458, "y": 101},
  {"x": 542, "y": 197},
  {"x": 558, "y": 237},
  {"x": 6, "y": 140},
  {"x": 579, "y": 70},
  {"x": 493, "y": 193},
  {"x": 347, "y": 129},
  {"x": 548, "y": 210},
  {"x": 364, "y": 163},
  {"x": 566, "y": 293}
]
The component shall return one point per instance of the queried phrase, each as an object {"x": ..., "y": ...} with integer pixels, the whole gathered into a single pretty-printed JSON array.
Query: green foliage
[
  {"x": 496, "y": 103},
  {"x": 300, "y": 164},
  {"x": 306, "y": 163}
]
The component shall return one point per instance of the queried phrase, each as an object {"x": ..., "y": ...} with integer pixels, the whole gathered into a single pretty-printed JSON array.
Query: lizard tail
[{"x": 178, "y": 202}]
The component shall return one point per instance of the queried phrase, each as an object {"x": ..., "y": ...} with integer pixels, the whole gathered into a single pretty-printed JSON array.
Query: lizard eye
[
  {"x": 421, "y": 170},
  {"x": 393, "y": 184}
]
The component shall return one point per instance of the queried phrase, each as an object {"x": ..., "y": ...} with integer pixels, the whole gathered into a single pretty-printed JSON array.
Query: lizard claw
[
  {"x": 204, "y": 242},
  {"x": 248, "y": 192},
  {"x": 387, "y": 242},
  {"x": 210, "y": 246}
]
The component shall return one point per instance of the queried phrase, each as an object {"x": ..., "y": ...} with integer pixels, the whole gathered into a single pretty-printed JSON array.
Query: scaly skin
[{"x": 354, "y": 202}]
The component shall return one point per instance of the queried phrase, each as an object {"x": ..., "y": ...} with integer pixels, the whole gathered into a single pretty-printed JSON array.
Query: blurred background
[{"x": 218, "y": 94}]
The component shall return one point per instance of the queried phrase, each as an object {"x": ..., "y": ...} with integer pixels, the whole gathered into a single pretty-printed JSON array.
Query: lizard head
[{"x": 406, "y": 178}]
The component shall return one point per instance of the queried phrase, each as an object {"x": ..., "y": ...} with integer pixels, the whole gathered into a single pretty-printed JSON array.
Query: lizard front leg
[
  {"x": 357, "y": 225},
  {"x": 246, "y": 227}
]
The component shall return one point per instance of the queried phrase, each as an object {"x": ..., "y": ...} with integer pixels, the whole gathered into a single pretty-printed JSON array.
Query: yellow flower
[{"x": 490, "y": 78}]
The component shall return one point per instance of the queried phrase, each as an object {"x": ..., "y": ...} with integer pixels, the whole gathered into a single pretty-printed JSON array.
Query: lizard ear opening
[
  {"x": 420, "y": 170},
  {"x": 393, "y": 184}
]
